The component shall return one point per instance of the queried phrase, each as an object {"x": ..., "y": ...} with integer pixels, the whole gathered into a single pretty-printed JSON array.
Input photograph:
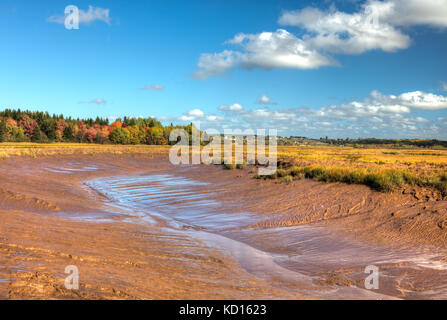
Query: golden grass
[
  {"x": 383, "y": 169},
  {"x": 380, "y": 168},
  {"x": 35, "y": 150}
]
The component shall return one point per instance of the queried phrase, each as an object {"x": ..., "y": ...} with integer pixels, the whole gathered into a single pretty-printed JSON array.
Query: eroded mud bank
[{"x": 140, "y": 228}]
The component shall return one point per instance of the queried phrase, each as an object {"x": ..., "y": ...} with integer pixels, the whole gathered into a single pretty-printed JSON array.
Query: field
[
  {"x": 380, "y": 168},
  {"x": 34, "y": 150}
]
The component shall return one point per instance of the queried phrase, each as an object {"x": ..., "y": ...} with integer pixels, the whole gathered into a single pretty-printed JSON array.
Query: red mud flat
[{"x": 139, "y": 228}]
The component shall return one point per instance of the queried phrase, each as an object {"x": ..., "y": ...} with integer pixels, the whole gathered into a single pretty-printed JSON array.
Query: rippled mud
[
  {"x": 309, "y": 258},
  {"x": 140, "y": 228}
]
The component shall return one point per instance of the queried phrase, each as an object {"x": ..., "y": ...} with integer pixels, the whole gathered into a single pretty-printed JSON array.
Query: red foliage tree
[{"x": 28, "y": 125}]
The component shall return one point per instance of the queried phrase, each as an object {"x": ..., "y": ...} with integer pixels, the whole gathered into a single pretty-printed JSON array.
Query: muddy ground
[{"x": 50, "y": 218}]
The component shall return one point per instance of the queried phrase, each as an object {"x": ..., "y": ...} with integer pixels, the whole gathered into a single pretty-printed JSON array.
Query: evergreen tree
[
  {"x": 68, "y": 133},
  {"x": 49, "y": 127},
  {"x": 37, "y": 137},
  {"x": 3, "y": 131}
]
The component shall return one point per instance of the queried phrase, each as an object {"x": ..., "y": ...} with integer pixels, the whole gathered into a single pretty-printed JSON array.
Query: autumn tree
[{"x": 28, "y": 125}]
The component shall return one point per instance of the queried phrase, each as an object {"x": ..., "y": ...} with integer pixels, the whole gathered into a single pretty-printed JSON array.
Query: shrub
[
  {"x": 280, "y": 173},
  {"x": 229, "y": 166},
  {"x": 286, "y": 179},
  {"x": 240, "y": 166}
]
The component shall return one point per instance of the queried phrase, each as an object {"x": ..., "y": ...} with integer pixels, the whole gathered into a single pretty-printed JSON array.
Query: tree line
[
  {"x": 421, "y": 143},
  {"x": 36, "y": 126}
]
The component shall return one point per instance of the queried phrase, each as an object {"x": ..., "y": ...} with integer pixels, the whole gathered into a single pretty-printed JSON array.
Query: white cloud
[
  {"x": 98, "y": 101},
  {"x": 186, "y": 118},
  {"x": 266, "y": 50},
  {"x": 443, "y": 120},
  {"x": 154, "y": 87},
  {"x": 280, "y": 49},
  {"x": 378, "y": 115},
  {"x": 444, "y": 86},
  {"x": 422, "y": 100},
  {"x": 354, "y": 33},
  {"x": 378, "y": 106},
  {"x": 214, "y": 118},
  {"x": 264, "y": 100},
  {"x": 417, "y": 12},
  {"x": 234, "y": 108},
  {"x": 86, "y": 17},
  {"x": 95, "y": 101},
  {"x": 196, "y": 113},
  {"x": 375, "y": 26},
  {"x": 211, "y": 64},
  {"x": 421, "y": 120}
]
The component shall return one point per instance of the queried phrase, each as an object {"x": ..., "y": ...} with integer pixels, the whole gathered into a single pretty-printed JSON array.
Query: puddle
[{"x": 294, "y": 258}]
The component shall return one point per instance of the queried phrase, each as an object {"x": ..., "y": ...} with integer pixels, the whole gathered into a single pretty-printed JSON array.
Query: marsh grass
[
  {"x": 34, "y": 150},
  {"x": 240, "y": 166},
  {"x": 286, "y": 180},
  {"x": 229, "y": 166},
  {"x": 380, "y": 179}
]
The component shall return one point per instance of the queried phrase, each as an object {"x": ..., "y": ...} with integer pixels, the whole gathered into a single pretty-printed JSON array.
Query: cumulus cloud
[
  {"x": 408, "y": 115},
  {"x": 381, "y": 116},
  {"x": 377, "y": 115},
  {"x": 86, "y": 17},
  {"x": 355, "y": 33},
  {"x": 422, "y": 100},
  {"x": 417, "y": 12},
  {"x": 265, "y": 100},
  {"x": 280, "y": 49},
  {"x": 211, "y": 64},
  {"x": 266, "y": 50},
  {"x": 154, "y": 87},
  {"x": 378, "y": 106},
  {"x": 375, "y": 26},
  {"x": 195, "y": 115}
]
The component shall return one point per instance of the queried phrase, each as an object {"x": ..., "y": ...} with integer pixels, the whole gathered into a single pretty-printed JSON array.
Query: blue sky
[{"x": 310, "y": 68}]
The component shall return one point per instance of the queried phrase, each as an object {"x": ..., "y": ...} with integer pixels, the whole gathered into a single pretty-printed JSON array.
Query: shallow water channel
[{"x": 310, "y": 259}]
